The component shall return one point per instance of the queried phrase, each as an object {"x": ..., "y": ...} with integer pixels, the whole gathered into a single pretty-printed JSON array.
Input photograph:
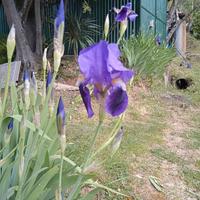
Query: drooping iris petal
[
  {"x": 132, "y": 16},
  {"x": 60, "y": 116},
  {"x": 60, "y": 14},
  {"x": 93, "y": 63},
  {"x": 122, "y": 14},
  {"x": 85, "y": 94},
  {"x": 116, "y": 102},
  {"x": 115, "y": 66}
]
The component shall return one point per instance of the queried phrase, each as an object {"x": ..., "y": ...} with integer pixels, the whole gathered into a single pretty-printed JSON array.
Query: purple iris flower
[
  {"x": 125, "y": 12},
  {"x": 11, "y": 124},
  {"x": 60, "y": 117},
  {"x": 101, "y": 67},
  {"x": 60, "y": 14},
  {"x": 49, "y": 79}
]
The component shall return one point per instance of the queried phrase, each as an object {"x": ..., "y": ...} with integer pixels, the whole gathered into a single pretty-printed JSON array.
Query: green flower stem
[
  {"x": 113, "y": 134},
  {"x": 6, "y": 86},
  {"x": 77, "y": 185},
  {"x": 21, "y": 155},
  {"x": 46, "y": 104},
  {"x": 60, "y": 176}
]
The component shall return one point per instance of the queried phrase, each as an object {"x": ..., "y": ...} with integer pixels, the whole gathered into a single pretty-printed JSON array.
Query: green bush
[
  {"x": 196, "y": 25},
  {"x": 80, "y": 32},
  {"x": 142, "y": 54}
]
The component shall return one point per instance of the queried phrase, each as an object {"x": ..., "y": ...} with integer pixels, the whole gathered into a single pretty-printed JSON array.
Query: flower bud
[
  {"x": 48, "y": 81},
  {"x": 57, "y": 59},
  {"x": 92, "y": 168},
  {"x": 60, "y": 117},
  {"x": 9, "y": 131},
  {"x": 123, "y": 27},
  {"x": 44, "y": 60},
  {"x": 26, "y": 89},
  {"x": 11, "y": 42},
  {"x": 117, "y": 141},
  {"x": 33, "y": 90},
  {"x": 106, "y": 26}
]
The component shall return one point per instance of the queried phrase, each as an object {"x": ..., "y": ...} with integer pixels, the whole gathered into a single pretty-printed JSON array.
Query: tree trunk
[
  {"x": 24, "y": 52},
  {"x": 38, "y": 24}
]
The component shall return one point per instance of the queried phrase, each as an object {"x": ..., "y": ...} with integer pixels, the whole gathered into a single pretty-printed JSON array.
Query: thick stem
[
  {"x": 60, "y": 177},
  {"x": 77, "y": 185}
]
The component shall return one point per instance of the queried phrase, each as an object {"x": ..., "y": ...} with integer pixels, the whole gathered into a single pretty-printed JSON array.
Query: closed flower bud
[
  {"x": 117, "y": 141},
  {"x": 9, "y": 131},
  {"x": 57, "y": 59},
  {"x": 49, "y": 79},
  {"x": 44, "y": 59},
  {"x": 123, "y": 27},
  {"x": 106, "y": 26},
  {"x": 26, "y": 89},
  {"x": 34, "y": 90},
  {"x": 60, "y": 117},
  {"x": 92, "y": 168},
  {"x": 11, "y": 42}
]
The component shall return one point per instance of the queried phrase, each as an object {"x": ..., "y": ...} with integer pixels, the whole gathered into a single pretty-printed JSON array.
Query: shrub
[
  {"x": 80, "y": 33},
  {"x": 142, "y": 54},
  {"x": 196, "y": 25}
]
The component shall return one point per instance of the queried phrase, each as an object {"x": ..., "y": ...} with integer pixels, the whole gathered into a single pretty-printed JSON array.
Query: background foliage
[{"x": 142, "y": 54}]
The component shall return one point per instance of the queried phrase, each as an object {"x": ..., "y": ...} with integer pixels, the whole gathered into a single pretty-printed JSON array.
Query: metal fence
[{"x": 150, "y": 11}]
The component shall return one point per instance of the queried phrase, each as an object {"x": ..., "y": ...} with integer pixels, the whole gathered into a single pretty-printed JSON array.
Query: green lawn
[{"x": 161, "y": 139}]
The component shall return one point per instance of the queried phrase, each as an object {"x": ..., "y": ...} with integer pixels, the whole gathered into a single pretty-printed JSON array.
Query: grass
[
  {"x": 192, "y": 178},
  {"x": 194, "y": 139},
  {"x": 166, "y": 155},
  {"x": 143, "y": 147}
]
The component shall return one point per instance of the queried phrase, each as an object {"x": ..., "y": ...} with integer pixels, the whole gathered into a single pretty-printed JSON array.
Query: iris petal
[
  {"x": 85, "y": 94},
  {"x": 115, "y": 66},
  {"x": 93, "y": 63},
  {"x": 122, "y": 15},
  {"x": 132, "y": 16},
  {"x": 117, "y": 101},
  {"x": 129, "y": 5}
]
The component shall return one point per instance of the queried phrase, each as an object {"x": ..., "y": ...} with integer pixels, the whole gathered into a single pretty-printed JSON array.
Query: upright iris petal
[
  {"x": 60, "y": 14},
  {"x": 126, "y": 12},
  {"x": 101, "y": 67},
  {"x": 60, "y": 117},
  {"x": 85, "y": 94}
]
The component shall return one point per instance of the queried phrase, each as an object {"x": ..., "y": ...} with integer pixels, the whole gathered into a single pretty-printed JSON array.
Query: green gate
[{"x": 153, "y": 13}]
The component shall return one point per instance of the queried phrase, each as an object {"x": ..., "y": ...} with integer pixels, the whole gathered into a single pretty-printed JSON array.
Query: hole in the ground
[{"x": 183, "y": 83}]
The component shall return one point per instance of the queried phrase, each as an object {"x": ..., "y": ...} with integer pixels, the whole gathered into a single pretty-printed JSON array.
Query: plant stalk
[
  {"x": 60, "y": 176},
  {"x": 6, "y": 86}
]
